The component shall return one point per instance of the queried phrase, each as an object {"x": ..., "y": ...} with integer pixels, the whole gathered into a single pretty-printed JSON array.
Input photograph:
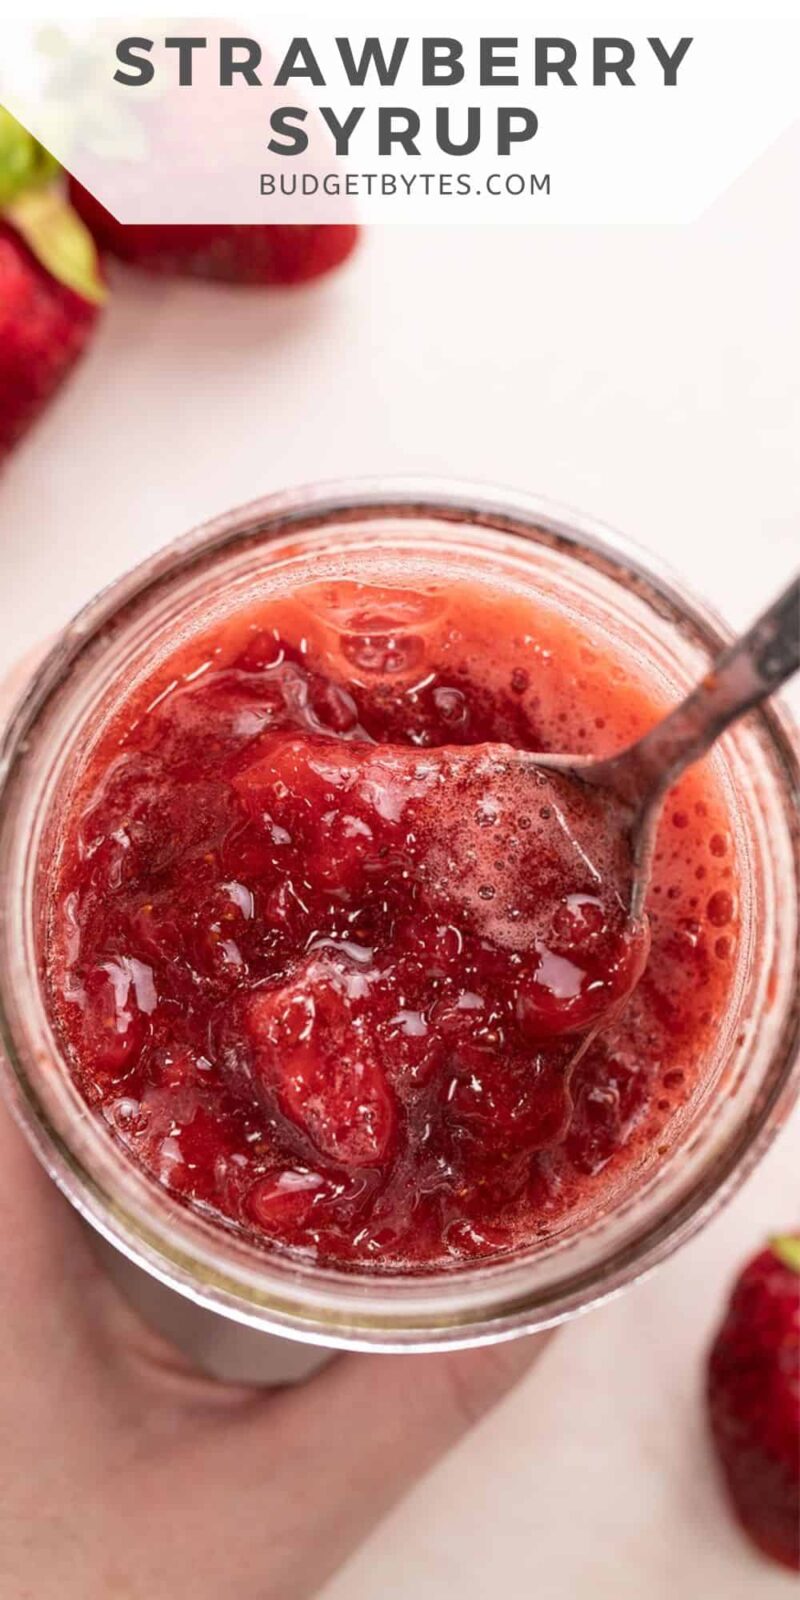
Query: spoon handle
[{"x": 749, "y": 670}]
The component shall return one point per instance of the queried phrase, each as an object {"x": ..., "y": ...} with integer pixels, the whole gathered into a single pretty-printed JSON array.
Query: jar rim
[{"x": 158, "y": 1232}]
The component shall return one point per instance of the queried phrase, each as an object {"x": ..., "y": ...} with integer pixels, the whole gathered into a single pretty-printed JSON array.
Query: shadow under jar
[{"x": 168, "y": 1251}]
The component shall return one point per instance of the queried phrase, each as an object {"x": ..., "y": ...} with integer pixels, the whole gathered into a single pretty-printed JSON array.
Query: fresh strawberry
[
  {"x": 754, "y": 1399},
  {"x": 230, "y": 252},
  {"x": 44, "y": 328},
  {"x": 50, "y": 285}
]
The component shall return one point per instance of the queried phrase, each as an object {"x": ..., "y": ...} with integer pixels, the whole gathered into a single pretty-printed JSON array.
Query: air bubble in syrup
[
  {"x": 384, "y": 654},
  {"x": 451, "y": 705},
  {"x": 720, "y": 908}
]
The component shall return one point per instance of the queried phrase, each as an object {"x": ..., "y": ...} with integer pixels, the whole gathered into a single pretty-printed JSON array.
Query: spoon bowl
[{"x": 635, "y": 782}]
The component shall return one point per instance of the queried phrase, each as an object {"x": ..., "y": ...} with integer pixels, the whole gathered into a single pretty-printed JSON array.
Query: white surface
[{"x": 649, "y": 376}]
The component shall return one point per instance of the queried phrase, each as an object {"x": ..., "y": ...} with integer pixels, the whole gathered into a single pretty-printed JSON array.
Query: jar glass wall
[{"x": 748, "y": 1086}]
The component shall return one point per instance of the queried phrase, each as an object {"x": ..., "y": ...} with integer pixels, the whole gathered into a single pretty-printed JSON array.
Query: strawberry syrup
[{"x": 324, "y": 963}]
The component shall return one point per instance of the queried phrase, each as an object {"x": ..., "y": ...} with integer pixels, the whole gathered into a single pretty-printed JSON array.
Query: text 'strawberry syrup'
[{"x": 343, "y": 1008}]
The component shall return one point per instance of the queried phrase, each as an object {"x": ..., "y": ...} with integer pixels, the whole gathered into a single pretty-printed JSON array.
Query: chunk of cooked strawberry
[
  {"x": 570, "y": 991},
  {"x": 346, "y": 808},
  {"x": 504, "y": 1102},
  {"x": 117, "y": 999},
  {"x": 282, "y": 1203},
  {"x": 304, "y": 1045}
]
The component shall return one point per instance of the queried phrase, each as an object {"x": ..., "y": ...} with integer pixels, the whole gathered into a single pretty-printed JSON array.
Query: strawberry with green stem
[
  {"x": 754, "y": 1399},
  {"x": 51, "y": 288}
]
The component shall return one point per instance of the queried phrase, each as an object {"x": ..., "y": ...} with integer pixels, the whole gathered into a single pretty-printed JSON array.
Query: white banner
[{"x": 295, "y": 117}]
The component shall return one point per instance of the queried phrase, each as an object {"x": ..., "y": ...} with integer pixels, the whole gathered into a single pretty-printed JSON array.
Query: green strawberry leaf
[
  {"x": 59, "y": 240},
  {"x": 24, "y": 163},
  {"x": 787, "y": 1248}
]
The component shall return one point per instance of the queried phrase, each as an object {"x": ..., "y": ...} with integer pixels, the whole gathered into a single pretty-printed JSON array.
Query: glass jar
[{"x": 748, "y": 1088}]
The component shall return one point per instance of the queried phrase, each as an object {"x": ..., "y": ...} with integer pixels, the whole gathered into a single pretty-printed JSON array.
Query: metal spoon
[{"x": 636, "y": 780}]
